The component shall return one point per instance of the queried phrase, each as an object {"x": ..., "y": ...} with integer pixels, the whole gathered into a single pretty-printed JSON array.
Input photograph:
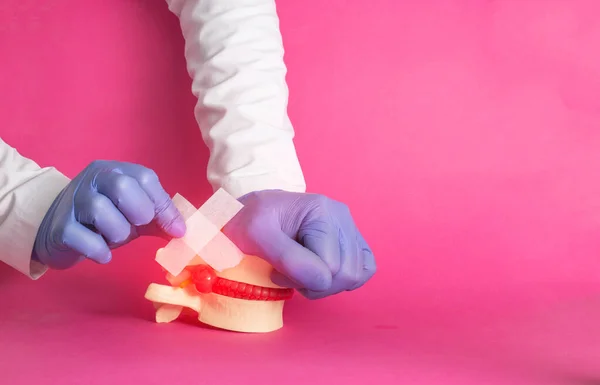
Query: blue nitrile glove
[
  {"x": 311, "y": 241},
  {"x": 107, "y": 205}
]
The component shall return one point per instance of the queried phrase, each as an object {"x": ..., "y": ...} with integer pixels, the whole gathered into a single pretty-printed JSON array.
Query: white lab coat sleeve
[
  {"x": 234, "y": 54},
  {"x": 26, "y": 193}
]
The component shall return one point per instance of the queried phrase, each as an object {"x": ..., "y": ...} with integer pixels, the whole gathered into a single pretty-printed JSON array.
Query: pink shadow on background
[{"x": 464, "y": 135}]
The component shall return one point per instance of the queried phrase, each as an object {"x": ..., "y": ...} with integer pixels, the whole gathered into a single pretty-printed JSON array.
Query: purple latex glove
[
  {"x": 107, "y": 205},
  {"x": 311, "y": 241}
]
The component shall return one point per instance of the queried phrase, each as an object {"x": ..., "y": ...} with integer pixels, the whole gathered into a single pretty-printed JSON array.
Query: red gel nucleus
[{"x": 205, "y": 280}]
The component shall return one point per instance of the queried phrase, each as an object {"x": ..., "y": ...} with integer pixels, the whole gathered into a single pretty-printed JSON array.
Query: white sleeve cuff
[{"x": 22, "y": 209}]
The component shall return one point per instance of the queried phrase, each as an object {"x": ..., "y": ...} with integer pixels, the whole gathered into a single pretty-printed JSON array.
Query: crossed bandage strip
[{"x": 203, "y": 236}]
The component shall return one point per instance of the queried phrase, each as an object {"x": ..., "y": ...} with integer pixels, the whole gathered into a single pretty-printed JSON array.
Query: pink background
[{"x": 465, "y": 136}]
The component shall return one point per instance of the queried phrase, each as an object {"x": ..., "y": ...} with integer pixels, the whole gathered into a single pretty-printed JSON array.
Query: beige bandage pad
[{"x": 203, "y": 236}]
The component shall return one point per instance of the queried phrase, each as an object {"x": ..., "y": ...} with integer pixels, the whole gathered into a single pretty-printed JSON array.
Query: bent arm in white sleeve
[
  {"x": 26, "y": 193},
  {"x": 234, "y": 54}
]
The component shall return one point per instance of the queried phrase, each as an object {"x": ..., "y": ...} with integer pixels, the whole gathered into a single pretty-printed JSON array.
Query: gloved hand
[
  {"x": 310, "y": 240},
  {"x": 107, "y": 205}
]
